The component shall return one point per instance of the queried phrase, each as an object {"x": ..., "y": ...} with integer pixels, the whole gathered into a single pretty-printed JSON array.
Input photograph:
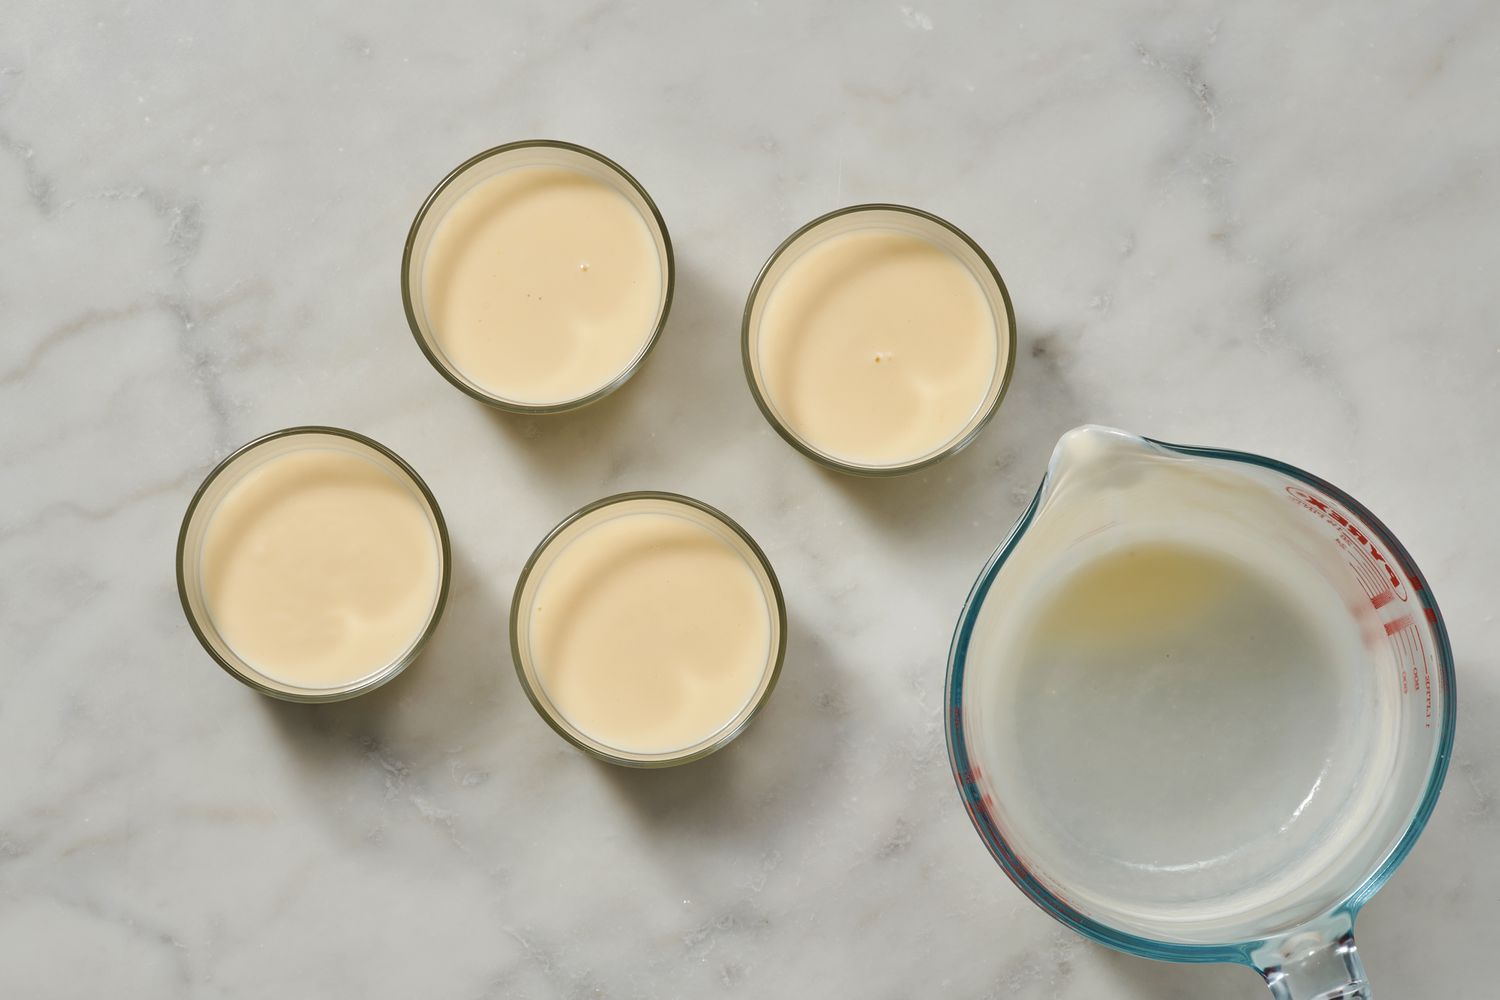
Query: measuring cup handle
[{"x": 1314, "y": 965}]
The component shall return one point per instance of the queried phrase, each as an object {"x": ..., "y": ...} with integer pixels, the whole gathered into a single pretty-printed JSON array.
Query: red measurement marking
[
  {"x": 1354, "y": 538},
  {"x": 1361, "y": 566},
  {"x": 1426, "y": 672},
  {"x": 1371, "y": 580},
  {"x": 1412, "y": 657}
]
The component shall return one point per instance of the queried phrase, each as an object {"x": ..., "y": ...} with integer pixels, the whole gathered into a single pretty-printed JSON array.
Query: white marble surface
[{"x": 1273, "y": 227}]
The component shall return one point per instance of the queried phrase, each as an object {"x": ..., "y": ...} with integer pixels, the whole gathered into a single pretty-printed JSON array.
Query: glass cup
[
  {"x": 593, "y": 514},
  {"x": 463, "y": 178},
  {"x": 217, "y": 485},
  {"x": 888, "y": 218},
  {"x": 1280, "y": 897}
]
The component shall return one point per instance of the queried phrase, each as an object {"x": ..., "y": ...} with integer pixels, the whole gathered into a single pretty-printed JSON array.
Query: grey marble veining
[{"x": 1270, "y": 226}]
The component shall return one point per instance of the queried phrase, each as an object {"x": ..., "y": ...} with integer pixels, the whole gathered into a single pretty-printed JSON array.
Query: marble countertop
[{"x": 1265, "y": 227}]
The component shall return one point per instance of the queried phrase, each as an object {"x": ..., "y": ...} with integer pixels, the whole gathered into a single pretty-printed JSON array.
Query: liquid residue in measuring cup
[{"x": 1182, "y": 718}]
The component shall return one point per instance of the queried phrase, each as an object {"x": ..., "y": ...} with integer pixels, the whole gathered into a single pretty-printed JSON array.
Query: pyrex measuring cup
[{"x": 1220, "y": 765}]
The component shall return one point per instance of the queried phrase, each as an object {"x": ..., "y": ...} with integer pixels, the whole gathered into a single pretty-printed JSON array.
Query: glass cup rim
[
  {"x": 828, "y": 461},
  {"x": 375, "y": 680},
  {"x": 772, "y": 672},
  {"x": 1019, "y": 872},
  {"x": 445, "y": 369}
]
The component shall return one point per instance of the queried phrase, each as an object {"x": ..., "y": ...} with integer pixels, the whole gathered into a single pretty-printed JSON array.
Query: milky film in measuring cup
[{"x": 1200, "y": 704}]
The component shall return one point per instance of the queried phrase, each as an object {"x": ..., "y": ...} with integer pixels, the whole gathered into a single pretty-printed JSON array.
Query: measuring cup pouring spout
[
  {"x": 1200, "y": 704},
  {"x": 1090, "y": 459}
]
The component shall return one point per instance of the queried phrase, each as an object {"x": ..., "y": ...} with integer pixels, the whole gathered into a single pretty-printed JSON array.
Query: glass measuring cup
[{"x": 1186, "y": 811}]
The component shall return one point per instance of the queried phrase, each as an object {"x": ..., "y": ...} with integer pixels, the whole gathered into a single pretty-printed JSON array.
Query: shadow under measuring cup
[{"x": 1200, "y": 706}]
